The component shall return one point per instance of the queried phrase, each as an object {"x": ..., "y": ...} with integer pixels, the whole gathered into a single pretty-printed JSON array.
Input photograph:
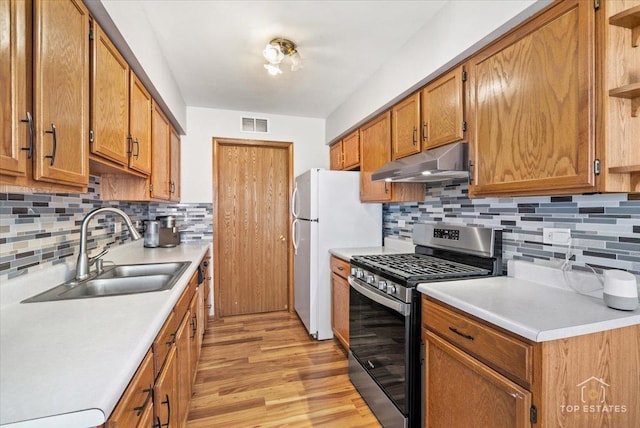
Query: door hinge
[
  {"x": 464, "y": 126},
  {"x": 91, "y": 34},
  {"x": 596, "y": 167},
  {"x": 533, "y": 414},
  {"x": 91, "y": 136},
  {"x": 596, "y": 4},
  {"x": 150, "y": 188},
  {"x": 464, "y": 75}
]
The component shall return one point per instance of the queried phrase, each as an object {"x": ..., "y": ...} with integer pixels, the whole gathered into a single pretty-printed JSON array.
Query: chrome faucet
[{"x": 82, "y": 267}]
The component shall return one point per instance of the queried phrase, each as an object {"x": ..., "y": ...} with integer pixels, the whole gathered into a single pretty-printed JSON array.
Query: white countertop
[
  {"x": 391, "y": 246},
  {"x": 532, "y": 310},
  {"x": 70, "y": 361}
]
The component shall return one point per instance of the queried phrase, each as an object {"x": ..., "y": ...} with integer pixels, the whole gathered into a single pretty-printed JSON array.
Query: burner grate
[{"x": 418, "y": 265}]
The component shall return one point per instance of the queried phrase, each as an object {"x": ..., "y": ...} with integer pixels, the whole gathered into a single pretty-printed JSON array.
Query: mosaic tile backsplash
[
  {"x": 605, "y": 229},
  {"x": 38, "y": 229}
]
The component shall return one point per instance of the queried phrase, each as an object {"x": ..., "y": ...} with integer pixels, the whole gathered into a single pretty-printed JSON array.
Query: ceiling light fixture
[{"x": 276, "y": 51}]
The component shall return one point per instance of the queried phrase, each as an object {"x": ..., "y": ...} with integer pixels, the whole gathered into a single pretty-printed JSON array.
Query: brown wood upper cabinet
[
  {"x": 175, "y": 166},
  {"x": 532, "y": 106},
  {"x": 109, "y": 100},
  {"x": 443, "y": 110},
  {"x": 16, "y": 147},
  {"x": 405, "y": 127},
  {"x": 375, "y": 149},
  {"x": 140, "y": 103},
  {"x": 161, "y": 152},
  {"x": 345, "y": 154},
  {"x": 335, "y": 156},
  {"x": 61, "y": 91},
  {"x": 55, "y": 136}
]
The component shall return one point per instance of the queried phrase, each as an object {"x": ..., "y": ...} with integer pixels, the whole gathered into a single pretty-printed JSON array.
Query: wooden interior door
[{"x": 252, "y": 184}]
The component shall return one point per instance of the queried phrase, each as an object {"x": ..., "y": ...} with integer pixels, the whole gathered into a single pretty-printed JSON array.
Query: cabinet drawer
[
  {"x": 503, "y": 353},
  {"x": 136, "y": 402},
  {"x": 339, "y": 267},
  {"x": 163, "y": 343}
]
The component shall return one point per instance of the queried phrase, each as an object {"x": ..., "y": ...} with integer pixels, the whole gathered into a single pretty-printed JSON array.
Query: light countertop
[
  {"x": 391, "y": 246},
  {"x": 66, "y": 363},
  {"x": 532, "y": 310}
]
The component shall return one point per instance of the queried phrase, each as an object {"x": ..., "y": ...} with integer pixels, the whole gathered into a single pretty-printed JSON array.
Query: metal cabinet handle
[
  {"x": 386, "y": 187},
  {"x": 137, "y": 153},
  {"x": 424, "y": 131},
  {"x": 157, "y": 423},
  {"x": 140, "y": 409},
  {"x": 415, "y": 135},
  {"x": 29, "y": 120},
  {"x": 173, "y": 339},
  {"x": 459, "y": 333},
  {"x": 168, "y": 403},
  {"x": 55, "y": 144}
]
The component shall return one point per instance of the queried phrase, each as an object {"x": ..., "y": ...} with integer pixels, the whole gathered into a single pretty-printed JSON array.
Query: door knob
[{"x": 282, "y": 238}]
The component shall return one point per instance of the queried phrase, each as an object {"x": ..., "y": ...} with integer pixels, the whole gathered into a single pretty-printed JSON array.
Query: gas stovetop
[{"x": 418, "y": 267}]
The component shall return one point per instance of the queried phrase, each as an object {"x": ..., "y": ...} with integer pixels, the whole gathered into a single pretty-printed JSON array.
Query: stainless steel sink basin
[
  {"x": 125, "y": 271},
  {"x": 117, "y": 280}
]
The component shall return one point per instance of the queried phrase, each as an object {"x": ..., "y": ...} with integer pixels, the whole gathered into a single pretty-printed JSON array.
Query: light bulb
[
  {"x": 273, "y": 54},
  {"x": 273, "y": 69},
  {"x": 296, "y": 61}
]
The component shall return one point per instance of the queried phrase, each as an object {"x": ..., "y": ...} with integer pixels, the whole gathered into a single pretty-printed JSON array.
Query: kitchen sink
[{"x": 116, "y": 281}]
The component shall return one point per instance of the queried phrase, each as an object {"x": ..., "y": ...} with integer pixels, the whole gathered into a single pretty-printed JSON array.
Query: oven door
[{"x": 379, "y": 335}]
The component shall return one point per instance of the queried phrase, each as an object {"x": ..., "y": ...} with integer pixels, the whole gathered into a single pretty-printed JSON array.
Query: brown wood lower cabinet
[
  {"x": 477, "y": 374},
  {"x": 340, "y": 300},
  {"x": 159, "y": 394}
]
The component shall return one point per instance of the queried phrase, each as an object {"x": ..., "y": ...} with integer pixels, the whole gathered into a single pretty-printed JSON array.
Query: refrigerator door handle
[
  {"x": 294, "y": 236},
  {"x": 294, "y": 198}
]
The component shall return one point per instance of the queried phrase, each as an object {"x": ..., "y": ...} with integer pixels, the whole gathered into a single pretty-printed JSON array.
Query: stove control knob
[
  {"x": 371, "y": 279},
  {"x": 382, "y": 285},
  {"x": 359, "y": 273},
  {"x": 391, "y": 289},
  {"x": 354, "y": 271}
]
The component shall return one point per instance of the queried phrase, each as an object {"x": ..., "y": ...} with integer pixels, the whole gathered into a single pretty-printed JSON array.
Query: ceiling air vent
[{"x": 252, "y": 124}]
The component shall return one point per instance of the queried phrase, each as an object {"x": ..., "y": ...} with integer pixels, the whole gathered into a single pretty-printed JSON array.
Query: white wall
[
  {"x": 457, "y": 30},
  {"x": 307, "y": 135}
]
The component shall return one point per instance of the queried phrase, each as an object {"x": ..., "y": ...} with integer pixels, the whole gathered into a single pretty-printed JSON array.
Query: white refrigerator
[{"x": 327, "y": 214}]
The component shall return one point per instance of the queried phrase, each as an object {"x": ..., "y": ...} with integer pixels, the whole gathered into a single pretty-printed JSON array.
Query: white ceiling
[{"x": 214, "y": 49}]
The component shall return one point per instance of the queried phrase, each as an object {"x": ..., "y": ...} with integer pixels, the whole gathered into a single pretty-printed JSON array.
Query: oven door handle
[{"x": 400, "y": 307}]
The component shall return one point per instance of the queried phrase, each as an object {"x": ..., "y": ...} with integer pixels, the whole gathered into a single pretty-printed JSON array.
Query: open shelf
[
  {"x": 632, "y": 92},
  {"x": 629, "y": 18}
]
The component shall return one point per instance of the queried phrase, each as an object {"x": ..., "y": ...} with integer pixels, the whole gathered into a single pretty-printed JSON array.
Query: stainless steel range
[{"x": 384, "y": 312}]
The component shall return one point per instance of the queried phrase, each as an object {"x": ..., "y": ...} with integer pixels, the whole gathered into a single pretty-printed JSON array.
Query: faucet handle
[{"x": 96, "y": 258}]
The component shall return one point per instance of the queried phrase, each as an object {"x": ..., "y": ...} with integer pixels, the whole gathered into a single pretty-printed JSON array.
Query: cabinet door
[
  {"x": 405, "y": 127},
  {"x": 532, "y": 107},
  {"x": 109, "y": 99},
  {"x": 442, "y": 110},
  {"x": 139, "y": 126},
  {"x": 184, "y": 378},
  {"x": 137, "y": 400},
  {"x": 335, "y": 156},
  {"x": 375, "y": 145},
  {"x": 61, "y": 91},
  {"x": 165, "y": 398},
  {"x": 175, "y": 166},
  {"x": 462, "y": 392},
  {"x": 161, "y": 150},
  {"x": 14, "y": 88},
  {"x": 340, "y": 309},
  {"x": 351, "y": 151}
]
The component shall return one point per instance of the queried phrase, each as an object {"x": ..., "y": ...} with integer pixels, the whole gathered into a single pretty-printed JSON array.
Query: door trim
[{"x": 217, "y": 143}]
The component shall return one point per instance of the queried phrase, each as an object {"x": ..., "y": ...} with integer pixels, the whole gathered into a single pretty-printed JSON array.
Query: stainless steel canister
[{"x": 152, "y": 233}]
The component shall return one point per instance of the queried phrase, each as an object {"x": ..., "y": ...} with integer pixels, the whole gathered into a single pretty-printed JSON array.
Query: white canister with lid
[{"x": 620, "y": 290}]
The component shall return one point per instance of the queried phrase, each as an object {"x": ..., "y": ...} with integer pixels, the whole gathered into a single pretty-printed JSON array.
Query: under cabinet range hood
[{"x": 438, "y": 164}]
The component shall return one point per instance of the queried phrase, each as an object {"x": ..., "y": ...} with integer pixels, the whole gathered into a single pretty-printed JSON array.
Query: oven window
[{"x": 377, "y": 338}]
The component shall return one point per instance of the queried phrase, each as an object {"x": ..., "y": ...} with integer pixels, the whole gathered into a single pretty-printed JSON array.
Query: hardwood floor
[{"x": 264, "y": 371}]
